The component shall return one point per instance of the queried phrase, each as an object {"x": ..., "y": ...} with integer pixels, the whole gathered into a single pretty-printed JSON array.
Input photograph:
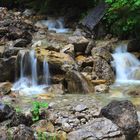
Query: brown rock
[
  {"x": 103, "y": 70},
  {"x": 80, "y": 43},
  {"x": 5, "y": 88},
  {"x": 76, "y": 83}
]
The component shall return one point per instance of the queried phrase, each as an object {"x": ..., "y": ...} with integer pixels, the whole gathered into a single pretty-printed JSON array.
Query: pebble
[
  {"x": 80, "y": 108},
  {"x": 66, "y": 127}
]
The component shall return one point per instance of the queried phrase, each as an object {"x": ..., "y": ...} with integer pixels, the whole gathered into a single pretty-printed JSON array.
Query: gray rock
[
  {"x": 91, "y": 45},
  {"x": 66, "y": 127},
  {"x": 6, "y": 112},
  {"x": 97, "y": 129},
  {"x": 124, "y": 114},
  {"x": 7, "y": 69},
  {"x": 80, "y": 108},
  {"x": 103, "y": 53},
  {"x": 102, "y": 88},
  {"x": 80, "y": 43},
  {"x": 21, "y": 132}
]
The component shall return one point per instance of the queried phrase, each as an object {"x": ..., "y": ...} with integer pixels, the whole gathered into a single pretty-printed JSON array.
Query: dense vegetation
[{"x": 122, "y": 17}]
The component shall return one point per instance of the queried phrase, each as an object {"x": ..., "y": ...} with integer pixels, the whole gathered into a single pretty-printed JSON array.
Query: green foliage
[
  {"x": 35, "y": 109},
  {"x": 122, "y": 17},
  {"x": 43, "y": 136},
  {"x": 18, "y": 110}
]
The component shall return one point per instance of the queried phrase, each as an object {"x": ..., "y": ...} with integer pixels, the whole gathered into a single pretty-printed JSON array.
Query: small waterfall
[
  {"x": 28, "y": 77},
  {"x": 56, "y": 25},
  {"x": 46, "y": 72},
  {"x": 127, "y": 66},
  {"x": 33, "y": 68}
]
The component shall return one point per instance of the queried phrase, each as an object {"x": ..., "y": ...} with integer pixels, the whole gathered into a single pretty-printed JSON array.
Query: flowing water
[
  {"x": 56, "y": 25},
  {"x": 127, "y": 66},
  {"x": 28, "y": 81},
  {"x": 127, "y": 84}
]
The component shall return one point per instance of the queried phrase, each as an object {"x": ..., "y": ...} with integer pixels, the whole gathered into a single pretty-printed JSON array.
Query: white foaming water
[
  {"x": 56, "y": 25},
  {"x": 127, "y": 66},
  {"x": 28, "y": 81}
]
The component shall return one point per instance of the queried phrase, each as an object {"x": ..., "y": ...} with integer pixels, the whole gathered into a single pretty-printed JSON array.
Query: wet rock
[
  {"x": 80, "y": 108},
  {"x": 87, "y": 69},
  {"x": 107, "y": 45},
  {"x": 11, "y": 51},
  {"x": 133, "y": 45},
  {"x": 21, "y": 43},
  {"x": 68, "y": 49},
  {"x": 55, "y": 59},
  {"x": 103, "y": 70},
  {"x": 19, "y": 118},
  {"x": 21, "y": 132},
  {"x": 80, "y": 43},
  {"x": 102, "y": 88},
  {"x": 76, "y": 83},
  {"x": 98, "y": 82},
  {"x": 5, "y": 88},
  {"x": 79, "y": 32},
  {"x": 84, "y": 61},
  {"x": 90, "y": 45},
  {"x": 3, "y": 31},
  {"x": 99, "y": 128},
  {"x": 103, "y": 53},
  {"x": 124, "y": 115},
  {"x": 7, "y": 73},
  {"x": 6, "y": 112},
  {"x": 133, "y": 92},
  {"x": 28, "y": 13},
  {"x": 56, "y": 89}
]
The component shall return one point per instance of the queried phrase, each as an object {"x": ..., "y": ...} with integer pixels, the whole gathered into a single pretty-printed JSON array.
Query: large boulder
[
  {"x": 76, "y": 83},
  {"x": 103, "y": 70},
  {"x": 98, "y": 129},
  {"x": 7, "y": 69},
  {"x": 103, "y": 53},
  {"x": 124, "y": 115},
  {"x": 21, "y": 132},
  {"x": 80, "y": 43},
  {"x": 56, "y": 60}
]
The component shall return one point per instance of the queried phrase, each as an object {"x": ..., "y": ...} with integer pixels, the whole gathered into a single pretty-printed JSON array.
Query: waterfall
[
  {"x": 46, "y": 72},
  {"x": 56, "y": 25},
  {"x": 28, "y": 77},
  {"x": 127, "y": 66}
]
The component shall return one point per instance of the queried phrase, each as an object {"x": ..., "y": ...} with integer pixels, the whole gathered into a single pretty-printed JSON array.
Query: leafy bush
[
  {"x": 122, "y": 17},
  {"x": 36, "y": 109}
]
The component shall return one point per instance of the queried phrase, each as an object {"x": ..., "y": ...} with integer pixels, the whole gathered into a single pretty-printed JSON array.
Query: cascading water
[
  {"x": 127, "y": 66},
  {"x": 28, "y": 82},
  {"x": 46, "y": 72},
  {"x": 56, "y": 25}
]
